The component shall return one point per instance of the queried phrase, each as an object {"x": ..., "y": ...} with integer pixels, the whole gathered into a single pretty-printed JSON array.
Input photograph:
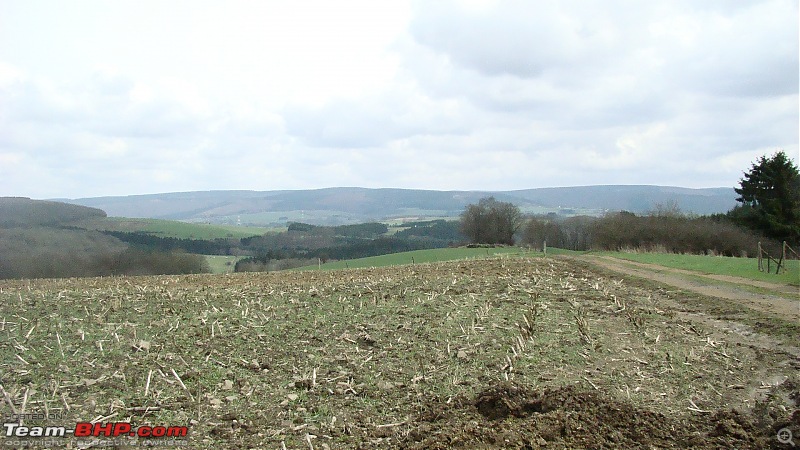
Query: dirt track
[{"x": 781, "y": 301}]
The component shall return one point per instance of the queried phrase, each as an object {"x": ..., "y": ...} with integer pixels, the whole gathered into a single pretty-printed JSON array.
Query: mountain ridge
[{"x": 341, "y": 205}]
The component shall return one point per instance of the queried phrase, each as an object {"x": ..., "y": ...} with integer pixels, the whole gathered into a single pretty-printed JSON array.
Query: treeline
[
  {"x": 41, "y": 252},
  {"x": 369, "y": 230},
  {"x": 142, "y": 240},
  {"x": 663, "y": 231},
  {"x": 277, "y": 260},
  {"x": 305, "y": 244},
  {"x": 299, "y": 239},
  {"x": 769, "y": 213},
  {"x": 443, "y": 232}
]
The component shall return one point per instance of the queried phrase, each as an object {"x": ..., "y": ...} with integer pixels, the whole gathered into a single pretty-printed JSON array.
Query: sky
[{"x": 127, "y": 97}]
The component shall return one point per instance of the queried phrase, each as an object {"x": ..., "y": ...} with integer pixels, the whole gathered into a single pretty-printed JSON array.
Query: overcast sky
[{"x": 131, "y": 97}]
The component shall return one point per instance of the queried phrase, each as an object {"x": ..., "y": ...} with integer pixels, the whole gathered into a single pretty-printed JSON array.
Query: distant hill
[
  {"x": 24, "y": 212},
  {"x": 636, "y": 199},
  {"x": 343, "y": 205}
]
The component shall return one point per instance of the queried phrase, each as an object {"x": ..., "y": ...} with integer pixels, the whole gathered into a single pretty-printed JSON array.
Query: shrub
[
  {"x": 661, "y": 231},
  {"x": 675, "y": 234}
]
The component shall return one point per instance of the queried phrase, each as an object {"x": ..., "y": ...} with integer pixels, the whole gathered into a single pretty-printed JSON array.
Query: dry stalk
[
  {"x": 529, "y": 318},
  {"x": 181, "y": 383},
  {"x": 147, "y": 386},
  {"x": 8, "y": 400},
  {"x": 635, "y": 319},
  {"x": 103, "y": 418},
  {"x": 64, "y": 401},
  {"x": 388, "y": 425},
  {"x": 620, "y": 304},
  {"x": 583, "y": 326},
  {"x": 60, "y": 348},
  {"x": 308, "y": 440},
  {"x": 24, "y": 402},
  {"x": 696, "y": 409}
]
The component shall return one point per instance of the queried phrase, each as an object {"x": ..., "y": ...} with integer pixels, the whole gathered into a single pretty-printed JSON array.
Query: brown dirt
[
  {"x": 777, "y": 305},
  {"x": 520, "y": 353},
  {"x": 510, "y": 416}
]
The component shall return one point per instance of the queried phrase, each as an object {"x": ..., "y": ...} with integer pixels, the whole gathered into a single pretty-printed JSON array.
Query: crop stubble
[{"x": 496, "y": 353}]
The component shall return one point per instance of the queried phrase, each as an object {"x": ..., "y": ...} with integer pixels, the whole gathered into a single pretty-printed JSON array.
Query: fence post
[
  {"x": 783, "y": 256},
  {"x": 544, "y": 247},
  {"x": 760, "y": 263}
]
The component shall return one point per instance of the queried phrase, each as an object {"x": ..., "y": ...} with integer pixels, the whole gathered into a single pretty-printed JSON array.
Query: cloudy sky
[{"x": 131, "y": 97}]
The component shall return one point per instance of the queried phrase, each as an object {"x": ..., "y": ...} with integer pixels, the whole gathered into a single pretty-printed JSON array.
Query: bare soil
[
  {"x": 504, "y": 353},
  {"x": 508, "y": 415}
]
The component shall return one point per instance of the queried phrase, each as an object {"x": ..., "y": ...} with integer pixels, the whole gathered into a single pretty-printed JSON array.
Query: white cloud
[{"x": 131, "y": 97}]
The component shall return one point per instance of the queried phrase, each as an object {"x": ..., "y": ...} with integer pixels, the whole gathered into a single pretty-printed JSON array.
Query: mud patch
[{"x": 511, "y": 416}]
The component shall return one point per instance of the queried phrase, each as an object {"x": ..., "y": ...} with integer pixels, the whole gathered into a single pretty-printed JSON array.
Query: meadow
[
  {"x": 172, "y": 228},
  {"x": 221, "y": 264},
  {"x": 718, "y": 265}
]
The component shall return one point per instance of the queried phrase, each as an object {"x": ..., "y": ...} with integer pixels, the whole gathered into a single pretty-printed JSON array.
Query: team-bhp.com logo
[{"x": 89, "y": 430}]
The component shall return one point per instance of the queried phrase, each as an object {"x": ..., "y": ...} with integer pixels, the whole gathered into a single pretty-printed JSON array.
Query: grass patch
[
  {"x": 171, "y": 228},
  {"x": 717, "y": 265},
  {"x": 222, "y": 264}
]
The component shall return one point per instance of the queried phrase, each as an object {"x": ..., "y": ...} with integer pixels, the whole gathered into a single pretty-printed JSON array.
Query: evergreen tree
[{"x": 770, "y": 198}]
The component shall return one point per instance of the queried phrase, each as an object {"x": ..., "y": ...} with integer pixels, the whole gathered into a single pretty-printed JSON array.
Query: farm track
[
  {"x": 502, "y": 353},
  {"x": 782, "y": 301}
]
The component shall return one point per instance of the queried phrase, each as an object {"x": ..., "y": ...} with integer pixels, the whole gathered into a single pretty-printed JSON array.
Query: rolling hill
[
  {"x": 24, "y": 212},
  {"x": 343, "y": 205}
]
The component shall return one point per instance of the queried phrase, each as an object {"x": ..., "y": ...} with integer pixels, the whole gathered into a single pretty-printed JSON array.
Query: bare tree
[{"x": 491, "y": 222}]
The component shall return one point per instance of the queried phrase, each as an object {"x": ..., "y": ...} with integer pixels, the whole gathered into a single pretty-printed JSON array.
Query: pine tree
[{"x": 770, "y": 198}]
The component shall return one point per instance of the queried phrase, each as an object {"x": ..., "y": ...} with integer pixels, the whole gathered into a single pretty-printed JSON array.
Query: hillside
[
  {"x": 43, "y": 239},
  {"x": 334, "y": 206},
  {"x": 24, "y": 212}
]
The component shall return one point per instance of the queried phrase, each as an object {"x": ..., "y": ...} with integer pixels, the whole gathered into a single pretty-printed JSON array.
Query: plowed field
[{"x": 524, "y": 353}]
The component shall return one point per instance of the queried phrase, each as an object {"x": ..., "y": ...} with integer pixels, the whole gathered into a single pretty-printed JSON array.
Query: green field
[
  {"x": 172, "y": 228},
  {"x": 718, "y": 265},
  {"x": 221, "y": 264}
]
